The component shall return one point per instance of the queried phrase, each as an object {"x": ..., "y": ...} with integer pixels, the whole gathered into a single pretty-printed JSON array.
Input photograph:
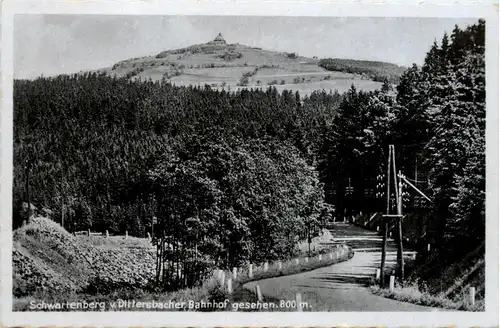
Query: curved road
[{"x": 342, "y": 286}]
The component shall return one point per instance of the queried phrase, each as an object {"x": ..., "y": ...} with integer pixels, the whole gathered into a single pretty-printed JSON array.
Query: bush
[
  {"x": 230, "y": 56},
  {"x": 134, "y": 72},
  {"x": 243, "y": 81}
]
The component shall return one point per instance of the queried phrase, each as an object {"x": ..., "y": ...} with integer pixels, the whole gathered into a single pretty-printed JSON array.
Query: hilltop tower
[{"x": 219, "y": 39}]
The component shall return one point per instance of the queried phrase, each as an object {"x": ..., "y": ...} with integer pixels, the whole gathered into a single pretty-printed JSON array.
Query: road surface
[{"x": 343, "y": 286}]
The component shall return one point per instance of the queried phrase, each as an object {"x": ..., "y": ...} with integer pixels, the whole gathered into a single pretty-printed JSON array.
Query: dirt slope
[{"x": 46, "y": 258}]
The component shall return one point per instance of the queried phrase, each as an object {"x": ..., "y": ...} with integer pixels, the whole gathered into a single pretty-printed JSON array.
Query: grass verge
[{"x": 412, "y": 294}]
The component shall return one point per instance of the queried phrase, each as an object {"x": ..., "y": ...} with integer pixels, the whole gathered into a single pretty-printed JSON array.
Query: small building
[{"x": 219, "y": 39}]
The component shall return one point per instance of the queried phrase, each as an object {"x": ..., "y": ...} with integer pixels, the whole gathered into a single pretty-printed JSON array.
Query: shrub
[
  {"x": 243, "y": 81},
  {"x": 134, "y": 72},
  {"x": 230, "y": 56}
]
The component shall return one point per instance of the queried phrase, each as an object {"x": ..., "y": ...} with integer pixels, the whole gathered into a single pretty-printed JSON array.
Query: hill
[{"x": 236, "y": 66}]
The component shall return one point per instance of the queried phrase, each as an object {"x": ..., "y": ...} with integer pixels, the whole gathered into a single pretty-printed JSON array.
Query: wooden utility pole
[
  {"x": 152, "y": 227},
  {"x": 396, "y": 190},
  {"x": 398, "y": 193},
  {"x": 400, "y": 230},
  {"x": 62, "y": 211},
  {"x": 28, "y": 189},
  {"x": 398, "y": 180},
  {"x": 384, "y": 219}
]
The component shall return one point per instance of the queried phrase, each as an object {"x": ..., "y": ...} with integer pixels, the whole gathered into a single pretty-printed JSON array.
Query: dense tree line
[
  {"x": 377, "y": 71},
  {"x": 238, "y": 176},
  {"x": 436, "y": 120},
  {"x": 445, "y": 101},
  {"x": 108, "y": 153}
]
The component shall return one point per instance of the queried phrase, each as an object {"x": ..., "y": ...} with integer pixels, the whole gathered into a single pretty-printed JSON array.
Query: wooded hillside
[{"x": 239, "y": 176}]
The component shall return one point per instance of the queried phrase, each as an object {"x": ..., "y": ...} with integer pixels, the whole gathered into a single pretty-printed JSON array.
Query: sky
[{"x": 54, "y": 44}]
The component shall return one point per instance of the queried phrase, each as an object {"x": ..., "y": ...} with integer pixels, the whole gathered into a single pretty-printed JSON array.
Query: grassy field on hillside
[{"x": 236, "y": 67}]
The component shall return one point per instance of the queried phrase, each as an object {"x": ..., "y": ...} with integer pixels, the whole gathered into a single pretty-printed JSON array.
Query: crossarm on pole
[{"x": 414, "y": 188}]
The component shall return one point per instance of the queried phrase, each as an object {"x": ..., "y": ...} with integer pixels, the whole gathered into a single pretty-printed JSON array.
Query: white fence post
[
  {"x": 126, "y": 234},
  {"x": 306, "y": 259},
  {"x": 391, "y": 284},
  {"x": 235, "y": 272},
  {"x": 377, "y": 274},
  {"x": 280, "y": 265},
  {"x": 266, "y": 266},
  {"x": 320, "y": 257},
  {"x": 88, "y": 231},
  {"x": 298, "y": 302},
  {"x": 428, "y": 247},
  {"x": 258, "y": 292},
  {"x": 107, "y": 234},
  {"x": 222, "y": 277},
  {"x": 250, "y": 270},
  {"x": 472, "y": 295},
  {"x": 377, "y": 228},
  {"x": 230, "y": 286}
]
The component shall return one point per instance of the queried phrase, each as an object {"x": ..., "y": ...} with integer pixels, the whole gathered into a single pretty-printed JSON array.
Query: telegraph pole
[
  {"x": 62, "y": 211},
  {"x": 399, "y": 179},
  {"x": 28, "y": 168},
  {"x": 400, "y": 229},
  {"x": 384, "y": 219},
  {"x": 398, "y": 193}
]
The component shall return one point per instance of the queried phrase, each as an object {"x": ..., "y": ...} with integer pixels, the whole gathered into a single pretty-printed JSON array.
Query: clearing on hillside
[{"x": 236, "y": 66}]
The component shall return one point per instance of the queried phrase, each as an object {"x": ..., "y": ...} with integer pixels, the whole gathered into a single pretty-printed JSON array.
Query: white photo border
[{"x": 488, "y": 11}]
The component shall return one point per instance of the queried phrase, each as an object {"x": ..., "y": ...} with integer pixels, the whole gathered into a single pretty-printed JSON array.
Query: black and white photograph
[{"x": 249, "y": 164}]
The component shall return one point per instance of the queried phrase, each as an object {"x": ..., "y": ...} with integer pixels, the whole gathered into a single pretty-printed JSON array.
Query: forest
[
  {"x": 234, "y": 177},
  {"x": 376, "y": 71}
]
